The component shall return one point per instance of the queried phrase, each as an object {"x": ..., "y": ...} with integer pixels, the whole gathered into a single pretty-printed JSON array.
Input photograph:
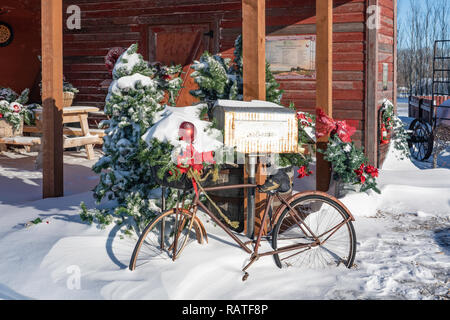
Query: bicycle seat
[{"x": 279, "y": 182}]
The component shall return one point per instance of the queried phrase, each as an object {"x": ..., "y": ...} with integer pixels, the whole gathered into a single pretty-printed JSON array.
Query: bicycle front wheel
[
  {"x": 322, "y": 228},
  {"x": 166, "y": 237}
]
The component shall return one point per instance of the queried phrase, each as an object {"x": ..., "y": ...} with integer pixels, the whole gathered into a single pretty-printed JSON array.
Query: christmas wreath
[{"x": 391, "y": 123}]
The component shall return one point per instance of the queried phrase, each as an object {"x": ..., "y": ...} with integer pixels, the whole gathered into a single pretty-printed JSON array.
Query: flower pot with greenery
[
  {"x": 69, "y": 94},
  {"x": 14, "y": 113}
]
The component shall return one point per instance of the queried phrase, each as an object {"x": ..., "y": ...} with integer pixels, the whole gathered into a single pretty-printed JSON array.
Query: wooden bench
[
  {"x": 68, "y": 131},
  {"x": 33, "y": 141},
  {"x": 19, "y": 141},
  {"x": 76, "y": 114}
]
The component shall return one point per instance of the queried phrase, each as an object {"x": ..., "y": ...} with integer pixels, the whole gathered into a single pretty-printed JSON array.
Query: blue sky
[{"x": 402, "y": 8}]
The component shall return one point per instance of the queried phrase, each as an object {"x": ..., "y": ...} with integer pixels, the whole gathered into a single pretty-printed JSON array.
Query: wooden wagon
[{"x": 432, "y": 114}]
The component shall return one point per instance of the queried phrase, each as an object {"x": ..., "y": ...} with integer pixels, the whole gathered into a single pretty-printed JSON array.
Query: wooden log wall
[
  {"x": 106, "y": 24},
  {"x": 386, "y": 56}
]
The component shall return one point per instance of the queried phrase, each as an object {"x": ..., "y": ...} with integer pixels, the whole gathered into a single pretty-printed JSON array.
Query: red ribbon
[{"x": 191, "y": 159}]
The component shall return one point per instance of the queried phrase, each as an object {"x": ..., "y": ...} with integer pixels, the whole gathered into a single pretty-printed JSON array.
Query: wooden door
[{"x": 180, "y": 44}]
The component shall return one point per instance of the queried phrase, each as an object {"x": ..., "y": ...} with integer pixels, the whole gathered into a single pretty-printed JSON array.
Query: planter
[
  {"x": 68, "y": 99},
  {"x": 7, "y": 130},
  {"x": 230, "y": 202},
  {"x": 341, "y": 189}
]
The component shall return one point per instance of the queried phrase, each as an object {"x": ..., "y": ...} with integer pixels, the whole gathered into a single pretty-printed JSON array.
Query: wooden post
[
  {"x": 395, "y": 58},
  {"x": 324, "y": 82},
  {"x": 254, "y": 51},
  {"x": 254, "y": 60},
  {"x": 371, "y": 112},
  {"x": 52, "y": 97}
]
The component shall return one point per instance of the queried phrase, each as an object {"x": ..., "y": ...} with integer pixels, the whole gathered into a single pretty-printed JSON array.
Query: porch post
[
  {"x": 254, "y": 60},
  {"x": 324, "y": 82},
  {"x": 52, "y": 96},
  {"x": 371, "y": 112}
]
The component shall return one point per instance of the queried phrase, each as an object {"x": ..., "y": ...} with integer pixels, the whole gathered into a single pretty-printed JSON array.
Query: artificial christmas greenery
[
  {"x": 348, "y": 162},
  {"x": 220, "y": 78},
  {"x": 393, "y": 123},
  {"x": 135, "y": 99},
  {"x": 13, "y": 107}
]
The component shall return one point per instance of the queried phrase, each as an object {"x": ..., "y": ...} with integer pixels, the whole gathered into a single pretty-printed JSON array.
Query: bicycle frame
[{"x": 255, "y": 255}]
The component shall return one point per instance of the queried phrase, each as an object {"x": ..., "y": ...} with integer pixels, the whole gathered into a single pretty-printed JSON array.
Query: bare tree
[{"x": 426, "y": 22}]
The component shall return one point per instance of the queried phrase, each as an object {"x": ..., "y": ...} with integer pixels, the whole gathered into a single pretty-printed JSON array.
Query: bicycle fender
[{"x": 281, "y": 208}]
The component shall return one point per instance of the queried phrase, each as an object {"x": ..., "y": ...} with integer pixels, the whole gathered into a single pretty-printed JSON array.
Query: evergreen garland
[{"x": 394, "y": 124}]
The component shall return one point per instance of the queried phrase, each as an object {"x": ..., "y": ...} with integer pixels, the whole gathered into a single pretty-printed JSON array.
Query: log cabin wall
[
  {"x": 107, "y": 24},
  {"x": 387, "y": 48},
  {"x": 19, "y": 63}
]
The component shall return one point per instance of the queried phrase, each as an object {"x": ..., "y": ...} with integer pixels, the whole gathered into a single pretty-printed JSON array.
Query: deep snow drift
[{"x": 402, "y": 252}]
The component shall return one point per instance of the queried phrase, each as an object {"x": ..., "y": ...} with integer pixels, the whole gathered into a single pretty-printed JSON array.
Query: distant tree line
[{"x": 426, "y": 22}]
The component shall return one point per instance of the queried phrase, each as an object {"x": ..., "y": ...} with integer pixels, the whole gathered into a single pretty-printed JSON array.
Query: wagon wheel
[{"x": 421, "y": 140}]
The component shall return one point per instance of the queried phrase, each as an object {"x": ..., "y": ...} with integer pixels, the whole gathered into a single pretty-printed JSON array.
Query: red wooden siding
[
  {"x": 386, "y": 50},
  {"x": 111, "y": 23}
]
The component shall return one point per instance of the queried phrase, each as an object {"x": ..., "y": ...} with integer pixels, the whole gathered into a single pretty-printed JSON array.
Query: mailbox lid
[{"x": 254, "y": 106}]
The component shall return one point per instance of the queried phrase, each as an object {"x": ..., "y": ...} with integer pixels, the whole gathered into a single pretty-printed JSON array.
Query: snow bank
[
  {"x": 403, "y": 253},
  {"x": 404, "y": 189}
]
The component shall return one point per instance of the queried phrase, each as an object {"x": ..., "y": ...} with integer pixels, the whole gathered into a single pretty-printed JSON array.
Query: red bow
[
  {"x": 344, "y": 131},
  {"x": 193, "y": 159},
  {"x": 326, "y": 125},
  {"x": 302, "y": 172}
]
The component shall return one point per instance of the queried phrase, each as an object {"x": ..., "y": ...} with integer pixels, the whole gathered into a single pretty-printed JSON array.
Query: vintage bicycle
[{"x": 309, "y": 229}]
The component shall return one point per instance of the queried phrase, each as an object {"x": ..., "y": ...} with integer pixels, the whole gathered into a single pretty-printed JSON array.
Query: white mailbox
[{"x": 257, "y": 126}]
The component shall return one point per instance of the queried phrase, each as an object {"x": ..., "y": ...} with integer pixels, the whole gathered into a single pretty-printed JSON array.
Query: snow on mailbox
[{"x": 257, "y": 126}]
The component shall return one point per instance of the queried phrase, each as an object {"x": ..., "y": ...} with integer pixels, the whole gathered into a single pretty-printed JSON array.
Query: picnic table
[
  {"x": 76, "y": 114},
  {"x": 84, "y": 136}
]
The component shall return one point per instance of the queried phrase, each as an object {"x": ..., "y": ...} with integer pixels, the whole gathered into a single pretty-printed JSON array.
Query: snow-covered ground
[{"x": 403, "y": 252}]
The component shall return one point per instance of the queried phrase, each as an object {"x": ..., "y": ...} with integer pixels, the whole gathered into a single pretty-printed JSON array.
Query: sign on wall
[{"x": 292, "y": 56}]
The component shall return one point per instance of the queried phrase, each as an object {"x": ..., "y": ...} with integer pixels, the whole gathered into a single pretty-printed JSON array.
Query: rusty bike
[{"x": 309, "y": 229}]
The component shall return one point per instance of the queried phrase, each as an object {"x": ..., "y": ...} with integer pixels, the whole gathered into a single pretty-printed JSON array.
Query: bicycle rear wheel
[
  {"x": 328, "y": 220},
  {"x": 166, "y": 237}
]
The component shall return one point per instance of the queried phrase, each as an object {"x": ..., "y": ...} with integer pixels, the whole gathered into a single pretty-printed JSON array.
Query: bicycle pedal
[{"x": 245, "y": 277}]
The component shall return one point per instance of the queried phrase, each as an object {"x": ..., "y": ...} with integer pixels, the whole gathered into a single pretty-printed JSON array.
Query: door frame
[{"x": 145, "y": 23}]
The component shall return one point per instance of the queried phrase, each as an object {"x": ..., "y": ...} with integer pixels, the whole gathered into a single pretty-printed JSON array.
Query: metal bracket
[{"x": 210, "y": 34}]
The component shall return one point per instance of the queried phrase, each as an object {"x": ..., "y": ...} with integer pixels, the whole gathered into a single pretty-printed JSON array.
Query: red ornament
[
  {"x": 16, "y": 108},
  {"x": 1, "y": 115},
  {"x": 187, "y": 132},
  {"x": 384, "y": 134}
]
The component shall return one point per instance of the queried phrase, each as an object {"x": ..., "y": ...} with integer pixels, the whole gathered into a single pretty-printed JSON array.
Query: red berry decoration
[{"x": 187, "y": 132}]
